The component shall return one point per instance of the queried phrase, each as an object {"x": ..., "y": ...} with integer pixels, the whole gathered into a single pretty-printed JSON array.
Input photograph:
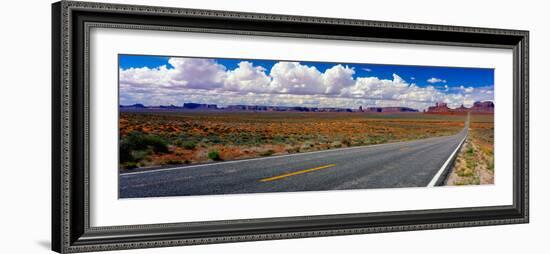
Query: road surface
[{"x": 403, "y": 164}]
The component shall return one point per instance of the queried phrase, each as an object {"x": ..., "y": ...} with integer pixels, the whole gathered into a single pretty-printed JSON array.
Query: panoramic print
[{"x": 204, "y": 126}]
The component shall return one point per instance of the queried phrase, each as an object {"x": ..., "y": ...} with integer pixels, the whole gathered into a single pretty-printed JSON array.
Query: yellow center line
[{"x": 295, "y": 173}]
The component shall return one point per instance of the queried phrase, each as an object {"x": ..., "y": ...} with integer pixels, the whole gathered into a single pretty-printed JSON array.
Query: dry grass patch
[{"x": 474, "y": 164}]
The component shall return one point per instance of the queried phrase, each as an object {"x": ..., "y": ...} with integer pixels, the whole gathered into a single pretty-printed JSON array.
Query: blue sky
[{"x": 204, "y": 79}]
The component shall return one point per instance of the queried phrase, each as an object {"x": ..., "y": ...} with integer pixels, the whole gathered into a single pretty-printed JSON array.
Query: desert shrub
[
  {"x": 158, "y": 144},
  {"x": 135, "y": 147},
  {"x": 470, "y": 151},
  {"x": 280, "y": 140},
  {"x": 129, "y": 165},
  {"x": 187, "y": 144},
  {"x": 306, "y": 145},
  {"x": 293, "y": 150},
  {"x": 336, "y": 144},
  {"x": 379, "y": 140},
  {"x": 212, "y": 139},
  {"x": 142, "y": 141},
  {"x": 267, "y": 153},
  {"x": 125, "y": 154},
  {"x": 358, "y": 142},
  {"x": 174, "y": 162},
  {"x": 245, "y": 139},
  {"x": 214, "y": 155},
  {"x": 139, "y": 155},
  {"x": 346, "y": 141},
  {"x": 466, "y": 172}
]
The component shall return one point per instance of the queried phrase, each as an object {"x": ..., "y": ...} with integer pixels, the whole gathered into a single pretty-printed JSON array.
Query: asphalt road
[{"x": 403, "y": 164}]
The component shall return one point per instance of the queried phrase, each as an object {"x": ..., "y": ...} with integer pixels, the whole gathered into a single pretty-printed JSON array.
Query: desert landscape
[
  {"x": 198, "y": 137},
  {"x": 157, "y": 137}
]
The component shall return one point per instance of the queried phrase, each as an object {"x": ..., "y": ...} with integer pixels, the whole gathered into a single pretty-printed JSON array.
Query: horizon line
[{"x": 317, "y": 107}]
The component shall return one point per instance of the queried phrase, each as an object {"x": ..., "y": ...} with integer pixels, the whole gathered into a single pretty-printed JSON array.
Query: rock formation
[{"x": 481, "y": 107}]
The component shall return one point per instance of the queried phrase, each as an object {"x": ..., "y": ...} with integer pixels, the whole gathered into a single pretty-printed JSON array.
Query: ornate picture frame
[{"x": 71, "y": 196}]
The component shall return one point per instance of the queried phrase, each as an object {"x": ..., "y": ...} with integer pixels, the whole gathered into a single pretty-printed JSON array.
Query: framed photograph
[{"x": 181, "y": 126}]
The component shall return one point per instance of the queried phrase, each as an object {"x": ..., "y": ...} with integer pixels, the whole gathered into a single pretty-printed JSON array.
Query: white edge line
[
  {"x": 267, "y": 158},
  {"x": 442, "y": 169}
]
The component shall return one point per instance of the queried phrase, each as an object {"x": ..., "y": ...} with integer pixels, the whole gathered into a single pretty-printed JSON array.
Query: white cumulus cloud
[
  {"x": 197, "y": 73},
  {"x": 337, "y": 78},
  {"x": 295, "y": 78},
  {"x": 248, "y": 78},
  {"x": 434, "y": 80}
]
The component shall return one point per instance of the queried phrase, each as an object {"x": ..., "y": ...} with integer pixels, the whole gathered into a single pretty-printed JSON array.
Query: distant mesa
[
  {"x": 388, "y": 109},
  {"x": 199, "y": 106},
  {"x": 439, "y": 108},
  {"x": 137, "y": 105},
  {"x": 481, "y": 107}
]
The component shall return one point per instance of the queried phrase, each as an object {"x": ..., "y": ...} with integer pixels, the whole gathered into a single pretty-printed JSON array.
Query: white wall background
[{"x": 25, "y": 125}]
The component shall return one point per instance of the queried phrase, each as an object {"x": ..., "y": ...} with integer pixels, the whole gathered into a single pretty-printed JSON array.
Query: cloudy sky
[{"x": 154, "y": 80}]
